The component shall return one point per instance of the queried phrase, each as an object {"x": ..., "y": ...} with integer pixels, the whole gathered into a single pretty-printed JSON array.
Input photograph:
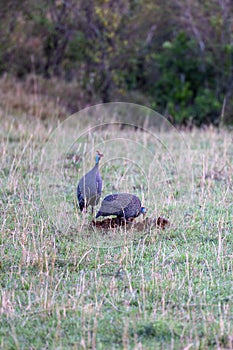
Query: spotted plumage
[
  {"x": 90, "y": 186},
  {"x": 123, "y": 205}
]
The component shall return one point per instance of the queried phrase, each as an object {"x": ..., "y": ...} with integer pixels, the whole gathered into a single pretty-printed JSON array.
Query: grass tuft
[{"x": 163, "y": 289}]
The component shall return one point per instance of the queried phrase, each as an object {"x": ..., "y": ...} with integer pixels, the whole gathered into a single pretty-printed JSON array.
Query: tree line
[{"x": 176, "y": 56}]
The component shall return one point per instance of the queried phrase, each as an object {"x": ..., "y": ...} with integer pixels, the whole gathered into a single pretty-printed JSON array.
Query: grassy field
[{"x": 82, "y": 289}]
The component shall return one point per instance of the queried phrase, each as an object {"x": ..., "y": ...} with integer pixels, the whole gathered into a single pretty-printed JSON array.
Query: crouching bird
[
  {"x": 90, "y": 186},
  {"x": 123, "y": 205}
]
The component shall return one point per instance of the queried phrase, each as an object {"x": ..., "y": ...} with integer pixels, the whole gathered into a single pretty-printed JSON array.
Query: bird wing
[
  {"x": 98, "y": 183},
  {"x": 114, "y": 204}
]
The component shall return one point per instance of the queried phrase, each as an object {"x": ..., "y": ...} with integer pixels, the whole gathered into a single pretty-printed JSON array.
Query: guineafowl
[
  {"x": 123, "y": 205},
  {"x": 90, "y": 186}
]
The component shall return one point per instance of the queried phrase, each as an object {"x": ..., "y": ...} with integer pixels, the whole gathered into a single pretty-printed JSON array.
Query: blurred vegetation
[{"x": 173, "y": 56}]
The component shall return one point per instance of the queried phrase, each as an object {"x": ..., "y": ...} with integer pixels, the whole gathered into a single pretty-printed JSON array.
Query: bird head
[
  {"x": 98, "y": 156},
  {"x": 143, "y": 211}
]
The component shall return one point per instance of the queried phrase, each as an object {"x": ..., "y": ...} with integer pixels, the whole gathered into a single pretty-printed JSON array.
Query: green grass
[{"x": 168, "y": 289}]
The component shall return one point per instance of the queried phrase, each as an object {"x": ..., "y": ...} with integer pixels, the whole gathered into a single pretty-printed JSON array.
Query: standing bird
[
  {"x": 90, "y": 186},
  {"x": 123, "y": 205}
]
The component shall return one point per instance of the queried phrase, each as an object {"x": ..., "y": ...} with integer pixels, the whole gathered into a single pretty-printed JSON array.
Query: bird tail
[
  {"x": 98, "y": 214},
  {"x": 81, "y": 200}
]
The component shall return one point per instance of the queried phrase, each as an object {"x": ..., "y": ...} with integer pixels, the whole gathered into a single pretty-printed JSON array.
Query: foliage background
[{"x": 173, "y": 56}]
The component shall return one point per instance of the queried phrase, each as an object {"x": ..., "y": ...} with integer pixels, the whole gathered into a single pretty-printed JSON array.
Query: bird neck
[
  {"x": 96, "y": 167},
  {"x": 97, "y": 160}
]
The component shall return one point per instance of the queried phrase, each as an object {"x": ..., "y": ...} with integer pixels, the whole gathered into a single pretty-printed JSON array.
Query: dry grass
[
  {"x": 169, "y": 289},
  {"x": 41, "y": 98}
]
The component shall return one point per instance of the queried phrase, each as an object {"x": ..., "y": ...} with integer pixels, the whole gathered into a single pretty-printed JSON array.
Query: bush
[{"x": 185, "y": 87}]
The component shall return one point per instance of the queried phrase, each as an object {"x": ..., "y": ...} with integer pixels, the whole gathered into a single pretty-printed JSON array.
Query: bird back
[{"x": 121, "y": 204}]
